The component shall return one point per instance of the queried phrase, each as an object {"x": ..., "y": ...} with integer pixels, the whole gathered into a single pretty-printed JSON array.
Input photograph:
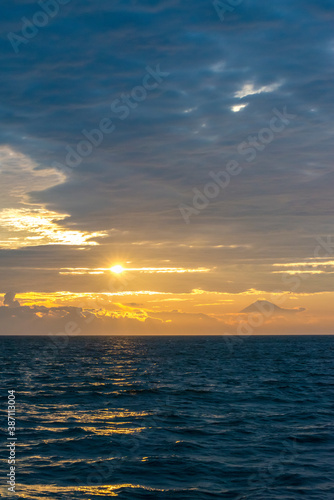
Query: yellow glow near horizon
[{"x": 117, "y": 269}]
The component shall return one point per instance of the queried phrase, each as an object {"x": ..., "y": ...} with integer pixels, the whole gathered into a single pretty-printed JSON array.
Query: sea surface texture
[{"x": 176, "y": 418}]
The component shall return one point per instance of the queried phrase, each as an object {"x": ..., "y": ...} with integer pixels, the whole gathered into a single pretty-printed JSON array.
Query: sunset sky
[{"x": 206, "y": 185}]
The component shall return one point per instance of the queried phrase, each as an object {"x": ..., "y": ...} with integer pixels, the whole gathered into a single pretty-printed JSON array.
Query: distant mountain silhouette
[{"x": 265, "y": 307}]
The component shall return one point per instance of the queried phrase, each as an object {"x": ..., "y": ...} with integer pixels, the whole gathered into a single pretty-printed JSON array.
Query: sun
[{"x": 117, "y": 269}]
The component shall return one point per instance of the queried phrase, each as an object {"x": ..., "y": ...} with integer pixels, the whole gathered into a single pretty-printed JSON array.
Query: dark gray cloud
[
  {"x": 9, "y": 300},
  {"x": 65, "y": 79}
]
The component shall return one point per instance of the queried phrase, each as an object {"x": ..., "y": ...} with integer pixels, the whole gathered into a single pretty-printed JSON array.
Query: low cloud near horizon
[{"x": 73, "y": 321}]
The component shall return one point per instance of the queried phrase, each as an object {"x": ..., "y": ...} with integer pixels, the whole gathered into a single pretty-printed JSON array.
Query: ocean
[{"x": 176, "y": 418}]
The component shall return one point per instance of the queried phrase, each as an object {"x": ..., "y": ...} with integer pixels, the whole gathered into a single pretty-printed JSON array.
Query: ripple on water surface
[{"x": 172, "y": 418}]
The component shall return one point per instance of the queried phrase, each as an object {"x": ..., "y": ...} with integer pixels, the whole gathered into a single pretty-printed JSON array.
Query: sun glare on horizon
[{"x": 117, "y": 269}]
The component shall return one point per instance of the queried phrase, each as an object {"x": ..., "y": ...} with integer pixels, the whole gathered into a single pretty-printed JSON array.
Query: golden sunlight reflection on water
[{"x": 37, "y": 492}]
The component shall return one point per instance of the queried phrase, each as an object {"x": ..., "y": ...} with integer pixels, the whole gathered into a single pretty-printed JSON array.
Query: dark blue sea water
[{"x": 171, "y": 417}]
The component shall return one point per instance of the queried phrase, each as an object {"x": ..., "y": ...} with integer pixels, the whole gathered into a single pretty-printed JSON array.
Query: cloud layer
[{"x": 120, "y": 204}]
